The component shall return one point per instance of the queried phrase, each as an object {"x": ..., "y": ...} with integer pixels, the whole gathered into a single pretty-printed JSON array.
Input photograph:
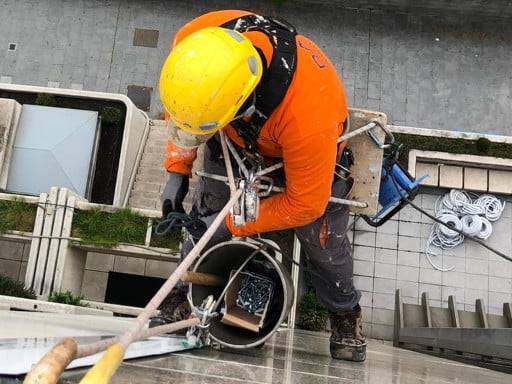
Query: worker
[{"x": 277, "y": 97}]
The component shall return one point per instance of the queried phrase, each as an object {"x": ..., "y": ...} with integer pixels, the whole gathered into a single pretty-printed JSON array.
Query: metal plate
[
  {"x": 145, "y": 38},
  {"x": 141, "y": 96},
  {"x": 367, "y": 161}
]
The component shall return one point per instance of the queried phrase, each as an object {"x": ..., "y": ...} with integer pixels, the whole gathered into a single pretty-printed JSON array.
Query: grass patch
[
  {"x": 170, "y": 241},
  {"x": 14, "y": 288},
  {"x": 16, "y": 215},
  {"x": 313, "y": 315},
  {"x": 66, "y": 298},
  {"x": 480, "y": 147},
  {"x": 46, "y": 99},
  {"x": 106, "y": 229}
]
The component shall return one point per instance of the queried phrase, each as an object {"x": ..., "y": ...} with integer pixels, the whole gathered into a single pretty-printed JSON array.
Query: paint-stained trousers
[{"x": 330, "y": 261}]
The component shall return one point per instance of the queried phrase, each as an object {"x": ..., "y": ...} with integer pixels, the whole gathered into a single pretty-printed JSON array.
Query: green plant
[
  {"x": 11, "y": 287},
  {"x": 66, "y": 298},
  {"x": 483, "y": 145},
  {"x": 16, "y": 215},
  {"x": 449, "y": 145},
  {"x": 111, "y": 115},
  {"x": 313, "y": 315},
  {"x": 170, "y": 241},
  {"x": 108, "y": 229},
  {"x": 45, "y": 99}
]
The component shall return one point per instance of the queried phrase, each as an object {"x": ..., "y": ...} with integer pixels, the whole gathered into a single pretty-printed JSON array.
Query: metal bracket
[{"x": 199, "y": 335}]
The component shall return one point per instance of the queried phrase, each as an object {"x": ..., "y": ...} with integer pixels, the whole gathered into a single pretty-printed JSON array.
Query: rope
[
  {"x": 177, "y": 220},
  {"x": 492, "y": 206},
  {"x": 464, "y": 215}
]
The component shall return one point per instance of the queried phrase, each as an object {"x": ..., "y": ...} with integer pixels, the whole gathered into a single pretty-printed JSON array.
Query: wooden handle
[
  {"x": 53, "y": 363},
  {"x": 206, "y": 279}
]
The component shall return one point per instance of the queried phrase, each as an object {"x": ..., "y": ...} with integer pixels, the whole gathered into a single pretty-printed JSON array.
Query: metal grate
[
  {"x": 141, "y": 96},
  {"x": 145, "y": 38}
]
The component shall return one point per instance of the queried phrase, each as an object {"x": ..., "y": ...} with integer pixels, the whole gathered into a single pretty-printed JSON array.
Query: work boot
[
  {"x": 175, "y": 307},
  {"x": 347, "y": 340}
]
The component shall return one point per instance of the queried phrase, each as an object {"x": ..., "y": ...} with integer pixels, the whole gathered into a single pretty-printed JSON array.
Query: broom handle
[{"x": 164, "y": 290}]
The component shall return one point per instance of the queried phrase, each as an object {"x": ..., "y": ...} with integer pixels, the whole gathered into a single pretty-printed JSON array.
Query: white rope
[
  {"x": 463, "y": 211},
  {"x": 492, "y": 206}
]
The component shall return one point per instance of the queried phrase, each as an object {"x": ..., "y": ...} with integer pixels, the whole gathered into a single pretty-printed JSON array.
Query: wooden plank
[
  {"x": 482, "y": 315},
  {"x": 53, "y": 250},
  {"x": 399, "y": 317},
  {"x": 42, "y": 258},
  {"x": 469, "y": 319},
  {"x": 414, "y": 316},
  {"x": 507, "y": 312},
  {"x": 70, "y": 262},
  {"x": 441, "y": 317},
  {"x": 36, "y": 241},
  {"x": 367, "y": 167},
  {"x": 454, "y": 313},
  {"x": 426, "y": 309},
  {"x": 497, "y": 321},
  {"x": 116, "y": 308}
]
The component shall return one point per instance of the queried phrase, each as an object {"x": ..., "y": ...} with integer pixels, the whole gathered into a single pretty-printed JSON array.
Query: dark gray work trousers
[{"x": 331, "y": 264}]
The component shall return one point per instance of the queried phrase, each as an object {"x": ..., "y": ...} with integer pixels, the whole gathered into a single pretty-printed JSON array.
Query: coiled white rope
[
  {"x": 462, "y": 211},
  {"x": 493, "y": 208}
]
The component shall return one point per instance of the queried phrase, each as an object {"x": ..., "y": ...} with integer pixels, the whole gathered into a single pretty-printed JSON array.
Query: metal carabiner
[{"x": 375, "y": 139}]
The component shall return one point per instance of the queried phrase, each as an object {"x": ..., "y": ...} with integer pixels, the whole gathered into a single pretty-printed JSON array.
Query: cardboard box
[{"x": 236, "y": 316}]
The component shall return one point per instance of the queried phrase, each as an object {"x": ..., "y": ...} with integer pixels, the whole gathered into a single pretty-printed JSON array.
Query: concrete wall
[
  {"x": 471, "y": 7},
  {"x": 448, "y": 71},
  {"x": 392, "y": 256},
  {"x": 13, "y": 259},
  {"x": 98, "y": 265}
]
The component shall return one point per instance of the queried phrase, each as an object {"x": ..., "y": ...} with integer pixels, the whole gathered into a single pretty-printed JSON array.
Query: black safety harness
[{"x": 276, "y": 79}]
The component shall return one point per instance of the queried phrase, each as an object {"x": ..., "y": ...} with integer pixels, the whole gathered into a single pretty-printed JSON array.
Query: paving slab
[{"x": 299, "y": 357}]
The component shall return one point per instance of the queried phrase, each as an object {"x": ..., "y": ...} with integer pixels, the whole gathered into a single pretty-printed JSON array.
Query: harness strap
[{"x": 277, "y": 77}]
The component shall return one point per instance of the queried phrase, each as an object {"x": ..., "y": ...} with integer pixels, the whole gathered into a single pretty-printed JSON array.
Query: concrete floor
[
  {"x": 449, "y": 70},
  {"x": 298, "y": 357}
]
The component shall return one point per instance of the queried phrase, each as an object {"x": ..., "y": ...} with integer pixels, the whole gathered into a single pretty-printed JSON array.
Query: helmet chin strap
[{"x": 247, "y": 108}]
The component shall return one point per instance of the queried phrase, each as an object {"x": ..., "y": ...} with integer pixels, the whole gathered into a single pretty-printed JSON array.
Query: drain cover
[
  {"x": 145, "y": 38},
  {"x": 12, "y": 47},
  {"x": 141, "y": 96}
]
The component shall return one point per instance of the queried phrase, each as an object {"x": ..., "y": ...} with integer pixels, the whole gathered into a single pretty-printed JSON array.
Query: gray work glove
[{"x": 174, "y": 193}]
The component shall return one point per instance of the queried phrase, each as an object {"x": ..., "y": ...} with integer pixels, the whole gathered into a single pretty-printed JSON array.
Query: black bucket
[{"x": 228, "y": 256}]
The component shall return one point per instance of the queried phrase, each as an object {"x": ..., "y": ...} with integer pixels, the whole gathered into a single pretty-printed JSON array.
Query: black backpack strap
[{"x": 276, "y": 78}]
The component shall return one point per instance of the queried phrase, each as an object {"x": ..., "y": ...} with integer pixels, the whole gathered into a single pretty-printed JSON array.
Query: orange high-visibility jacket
[{"x": 302, "y": 130}]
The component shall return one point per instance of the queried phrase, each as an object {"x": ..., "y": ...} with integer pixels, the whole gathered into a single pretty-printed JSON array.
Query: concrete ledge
[
  {"x": 450, "y": 176},
  {"x": 136, "y": 129},
  {"x": 142, "y": 252},
  {"x": 45, "y": 306},
  {"x": 476, "y": 179},
  {"x": 471, "y": 172},
  {"x": 448, "y": 134},
  {"x": 500, "y": 181}
]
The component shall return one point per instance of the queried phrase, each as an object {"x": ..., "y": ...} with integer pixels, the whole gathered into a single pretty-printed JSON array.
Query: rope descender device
[{"x": 253, "y": 187}]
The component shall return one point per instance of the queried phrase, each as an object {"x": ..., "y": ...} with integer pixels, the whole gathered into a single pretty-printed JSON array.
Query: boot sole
[{"x": 348, "y": 352}]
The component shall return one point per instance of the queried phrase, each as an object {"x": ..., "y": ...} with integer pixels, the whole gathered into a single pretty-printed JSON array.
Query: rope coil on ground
[{"x": 464, "y": 212}]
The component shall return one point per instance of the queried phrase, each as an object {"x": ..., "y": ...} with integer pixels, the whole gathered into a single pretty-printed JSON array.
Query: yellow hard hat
[{"x": 207, "y": 77}]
